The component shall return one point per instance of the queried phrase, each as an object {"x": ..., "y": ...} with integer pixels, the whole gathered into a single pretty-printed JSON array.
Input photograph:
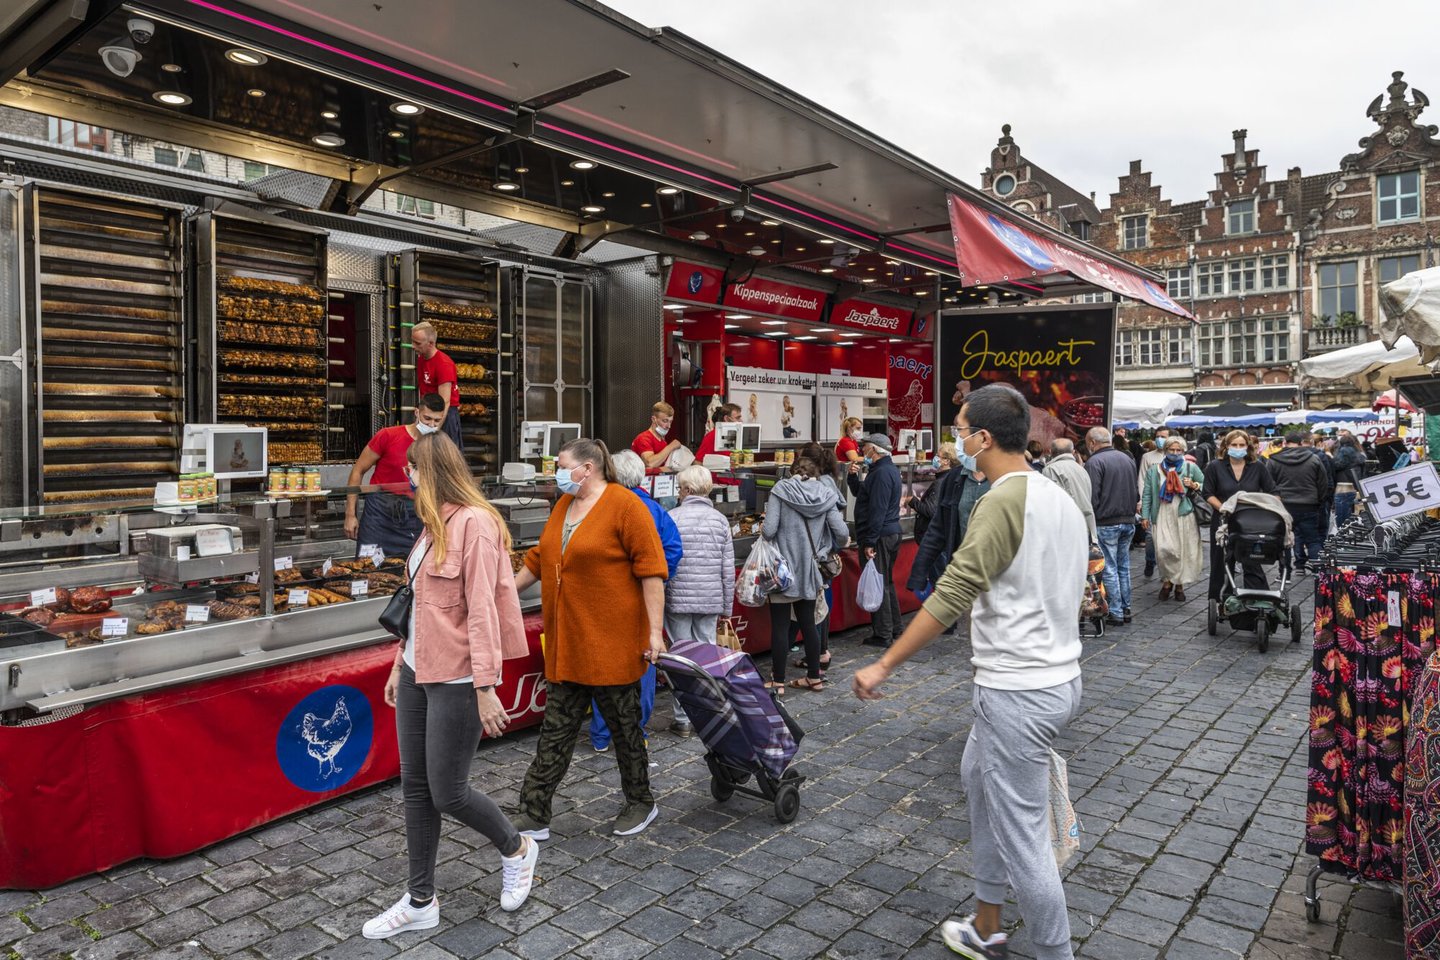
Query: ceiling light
[
  {"x": 982, "y": 288},
  {"x": 841, "y": 343},
  {"x": 255, "y": 92},
  {"x": 582, "y": 164},
  {"x": 719, "y": 226},
  {"x": 852, "y": 335},
  {"x": 930, "y": 273},
  {"x": 699, "y": 235},
  {"x": 774, "y": 241},
  {"x": 749, "y": 233},
  {"x": 807, "y": 338},
  {"x": 922, "y": 293},
  {"x": 171, "y": 67},
  {"x": 592, "y": 208},
  {"x": 328, "y": 140},
  {"x": 732, "y": 326},
  {"x": 505, "y": 185},
  {"x": 756, "y": 251},
  {"x": 822, "y": 329},
  {"x": 867, "y": 279},
  {"x": 522, "y": 169},
  {"x": 407, "y": 109},
  {"x": 608, "y": 194},
  {"x": 769, "y": 223},
  {"x": 396, "y": 134},
  {"x": 827, "y": 269},
  {"x": 330, "y": 115},
  {"x": 645, "y": 206},
  {"x": 246, "y": 58},
  {"x": 776, "y": 333},
  {"x": 737, "y": 316},
  {"x": 567, "y": 183},
  {"x": 825, "y": 240},
  {"x": 668, "y": 191},
  {"x": 776, "y": 323},
  {"x": 673, "y": 306},
  {"x": 871, "y": 269},
  {"x": 799, "y": 249},
  {"x": 172, "y": 99}
]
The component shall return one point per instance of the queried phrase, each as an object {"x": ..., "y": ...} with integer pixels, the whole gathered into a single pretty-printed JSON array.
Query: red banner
[
  {"x": 993, "y": 249},
  {"x": 871, "y": 317},
  {"x": 758, "y": 295},
  {"x": 911, "y": 388},
  {"x": 690, "y": 281}
]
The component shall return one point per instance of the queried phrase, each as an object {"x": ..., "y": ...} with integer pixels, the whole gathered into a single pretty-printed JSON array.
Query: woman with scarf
[{"x": 1169, "y": 518}]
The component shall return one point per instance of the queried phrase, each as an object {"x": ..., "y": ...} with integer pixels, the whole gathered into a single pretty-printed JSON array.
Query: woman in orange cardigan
[{"x": 602, "y": 572}]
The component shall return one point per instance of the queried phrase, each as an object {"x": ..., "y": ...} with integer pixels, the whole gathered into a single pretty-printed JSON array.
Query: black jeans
[
  {"x": 1307, "y": 524},
  {"x": 780, "y": 630},
  {"x": 885, "y": 622},
  {"x": 438, "y": 728}
]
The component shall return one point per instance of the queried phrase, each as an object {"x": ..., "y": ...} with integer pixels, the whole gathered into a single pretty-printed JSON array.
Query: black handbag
[
  {"x": 1204, "y": 511},
  {"x": 395, "y": 618},
  {"x": 829, "y": 565}
]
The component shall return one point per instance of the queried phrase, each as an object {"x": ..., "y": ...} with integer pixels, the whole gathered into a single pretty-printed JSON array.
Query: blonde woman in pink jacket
[{"x": 464, "y": 623}]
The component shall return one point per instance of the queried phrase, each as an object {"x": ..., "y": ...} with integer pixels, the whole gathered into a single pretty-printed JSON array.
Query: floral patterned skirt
[{"x": 1422, "y": 816}]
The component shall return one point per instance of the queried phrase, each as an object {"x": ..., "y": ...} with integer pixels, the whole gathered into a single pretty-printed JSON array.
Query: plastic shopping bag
[
  {"x": 870, "y": 594},
  {"x": 1064, "y": 825},
  {"x": 765, "y": 572},
  {"x": 680, "y": 459}
]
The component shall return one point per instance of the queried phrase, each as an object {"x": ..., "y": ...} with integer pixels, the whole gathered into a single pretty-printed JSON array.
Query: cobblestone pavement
[{"x": 1187, "y": 767}]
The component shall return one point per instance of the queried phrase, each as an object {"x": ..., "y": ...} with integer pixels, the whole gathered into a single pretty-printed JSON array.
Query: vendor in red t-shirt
[
  {"x": 389, "y": 519},
  {"x": 847, "y": 451},
  {"x": 727, "y": 413},
  {"x": 435, "y": 373},
  {"x": 651, "y": 443}
]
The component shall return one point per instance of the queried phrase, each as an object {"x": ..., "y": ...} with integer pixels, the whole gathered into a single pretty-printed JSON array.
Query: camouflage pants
[{"x": 566, "y": 705}]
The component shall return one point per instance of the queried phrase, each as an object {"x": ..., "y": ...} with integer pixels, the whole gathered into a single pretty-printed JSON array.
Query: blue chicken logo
[
  {"x": 325, "y": 739},
  {"x": 696, "y": 281}
]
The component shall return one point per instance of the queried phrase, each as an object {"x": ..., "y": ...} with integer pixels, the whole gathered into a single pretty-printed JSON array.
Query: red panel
[
  {"x": 758, "y": 295},
  {"x": 692, "y": 282},
  {"x": 911, "y": 386},
  {"x": 845, "y": 612},
  {"x": 870, "y": 358},
  {"x": 761, "y": 352}
]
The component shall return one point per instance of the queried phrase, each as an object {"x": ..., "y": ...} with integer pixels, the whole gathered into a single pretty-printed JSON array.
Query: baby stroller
[
  {"x": 746, "y": 731},
  {"x": 1095, "y": 607},
  {"x": 1255, "y": 528}
]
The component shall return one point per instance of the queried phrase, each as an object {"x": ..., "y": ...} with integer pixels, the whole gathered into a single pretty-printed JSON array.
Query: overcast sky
[{"x": 1086, "y": 87}]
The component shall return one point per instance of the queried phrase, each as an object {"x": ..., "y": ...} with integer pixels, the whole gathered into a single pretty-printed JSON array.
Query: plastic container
[
  {"x": 278, "y": 480},
  {"x": 186, "y": 486},
  {"x": 312, "y": 479}
]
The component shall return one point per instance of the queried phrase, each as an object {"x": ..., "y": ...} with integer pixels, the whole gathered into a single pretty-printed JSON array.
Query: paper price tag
[
  {"x": 252, "y": 578},
  {"x": 38, "y": 598},
  {"x": 213, "y": 542},
  {"x": 284, "y": 563},
  {"x": 359, "y": 588},
  {"x": 1392, "y": 608},
  {"x": 114, "y": 626},
  {"x": 373, "y": 551},
  {"x": 299, "y": 598},
  {"x": 197, "y": 613},
  {"x": 1402, "y": 492},
  {"x": 326, "y": 567}
]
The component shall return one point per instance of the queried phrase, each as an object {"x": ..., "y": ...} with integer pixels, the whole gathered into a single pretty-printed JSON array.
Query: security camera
[
  {"x": 120, "y": 57},
  {"x": 141, "y": 30},
  {"x": 737, "y": 213}
]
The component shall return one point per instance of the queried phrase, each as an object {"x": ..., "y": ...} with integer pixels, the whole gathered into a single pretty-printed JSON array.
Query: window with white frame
[
  {"x": 1240, "y": 217},
  {"x": 1210, "y": 278},
  {"x": 1212, "y": 344},
  {"x": 1148, "y": 347},
  {"x": 1275, "y": 340},
  {"x": 1136, "y": 232},
  {"x": 1393, "y": 268},
  {"x": 1275, "y": 272},
  {"x": 1398, "y": 196},
  {"x": 1177, "y": 346},
  {"x": 1098, "y": 296},
  {"x": 1339, "y": 292},
  {"x": 1124, "y": 349},
  {"x": 1244, "y": 346},
  {"x": 1242, "y": 276},
  {"x": 1177, "y": 283}
]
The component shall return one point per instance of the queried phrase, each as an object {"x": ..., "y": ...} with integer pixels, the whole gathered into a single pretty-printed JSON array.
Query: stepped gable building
[{"x": 1034, "y": 191}]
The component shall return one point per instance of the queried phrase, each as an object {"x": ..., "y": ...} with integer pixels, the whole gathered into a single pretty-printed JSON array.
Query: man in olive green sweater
[{"x": 1021, "y": 571}]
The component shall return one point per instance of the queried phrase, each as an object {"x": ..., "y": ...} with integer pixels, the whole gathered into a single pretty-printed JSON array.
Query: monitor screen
[
  {"x": 236, "y": 452},
  {"x": 727, "y": 436},
  {"x": 749, "y": 436},
  {"x": 559, "y": 434}
]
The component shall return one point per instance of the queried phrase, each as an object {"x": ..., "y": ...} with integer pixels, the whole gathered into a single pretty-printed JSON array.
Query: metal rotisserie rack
[
  {"x": 107, "y": 366},
  {"x": 262, "y": 308},
  {"x": 460, "y": 298}
]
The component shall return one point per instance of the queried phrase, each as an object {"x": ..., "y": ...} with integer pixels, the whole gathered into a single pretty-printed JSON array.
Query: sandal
[
  {"x": 800, "y": 663},
  {"x": 805, "y": 683},
  {"x": 776, "y": 687}
]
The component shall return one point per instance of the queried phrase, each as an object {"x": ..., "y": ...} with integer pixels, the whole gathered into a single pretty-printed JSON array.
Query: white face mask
[
  {"x": 425, "y": 428},
  {"x": 661, "y": 431},
  {"x": 856, "y": 434}
]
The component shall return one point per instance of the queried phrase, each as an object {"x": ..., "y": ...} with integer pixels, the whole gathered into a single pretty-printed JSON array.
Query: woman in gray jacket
[
  {"x": 801, "y": 520},
  {"x": 703, "y": 588}
]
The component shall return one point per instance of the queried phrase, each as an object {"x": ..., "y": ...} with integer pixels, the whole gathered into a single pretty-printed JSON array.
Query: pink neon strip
[
  {"x": 638, "y": 156},
  {"x": 829, "y": 223},
  {"x": 601, "y": 121},
  {"x": 214, "y": 8},
  {"x": 386, "y": 42}
]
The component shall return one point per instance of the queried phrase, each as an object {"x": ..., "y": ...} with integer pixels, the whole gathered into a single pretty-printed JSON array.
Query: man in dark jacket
[
  {"x": 877, "y": 528},
  {"x": 1114, "y": 479},
  {"x": 1204, "y": 449},
  {"x": 1303, "y": 485}
]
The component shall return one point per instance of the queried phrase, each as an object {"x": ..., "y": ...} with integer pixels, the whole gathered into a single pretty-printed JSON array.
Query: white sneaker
[
  {"x": 403, "y": 917},
  {"x": 518, "y": 875}
]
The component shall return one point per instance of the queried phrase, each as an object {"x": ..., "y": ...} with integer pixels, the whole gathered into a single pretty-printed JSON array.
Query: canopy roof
[
  {"x": 1371, "y": 366},
  {"x": 1412, "y": 309}
]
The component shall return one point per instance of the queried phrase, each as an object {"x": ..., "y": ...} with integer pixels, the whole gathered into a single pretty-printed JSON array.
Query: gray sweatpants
[
  {"x": 1006, "y": 772},
  {"x": 699, "y": 627}
]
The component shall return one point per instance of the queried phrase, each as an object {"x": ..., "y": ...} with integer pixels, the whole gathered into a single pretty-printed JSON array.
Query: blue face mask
[
  {"x": 413, "y": 485},
  {"x": 1238, "y": 453},
  {"x": 564, "y": 482},
  {"x": 1174, "y": 459},
  {"x": 966, "y": 461},
  {"x": 935, "y": 463}
]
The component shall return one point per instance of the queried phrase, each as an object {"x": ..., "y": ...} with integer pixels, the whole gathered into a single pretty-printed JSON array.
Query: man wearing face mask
[
  {"x": 727, "y": 413},
  {"x": 389, "y": 519},
  {"x": 436, "y": 373},
  {"x": 877, "y": 528},
  {"x": 651, "y": 444},
  {"x": 1113, "y": 486}
]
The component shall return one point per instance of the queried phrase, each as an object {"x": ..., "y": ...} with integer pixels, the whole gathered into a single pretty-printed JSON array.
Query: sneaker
[
  {"x": 403, "y": 917},
  {"x": 528, "y": 826},
  {"x": 683, "y": 728},
  {"x": 960, "y": 936},
  {"x": 600, "y": 749},
  {"x": 518, "y": 876},
  {"x": 634, "y": 818}
]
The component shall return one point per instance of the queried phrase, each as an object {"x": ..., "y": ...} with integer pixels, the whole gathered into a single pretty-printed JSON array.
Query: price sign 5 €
[{"x": 1400, "y": 492}]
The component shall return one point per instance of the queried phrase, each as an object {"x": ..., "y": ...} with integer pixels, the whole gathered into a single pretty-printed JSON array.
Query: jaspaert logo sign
[{"x": 873, "y": 319}]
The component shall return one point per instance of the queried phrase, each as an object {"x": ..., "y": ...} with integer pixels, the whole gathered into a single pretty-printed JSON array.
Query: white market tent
[
  {"x": 1412, "y": 311},
  {"x": 1371, "y": 366},
  {"x": 1144, "y": 408}
]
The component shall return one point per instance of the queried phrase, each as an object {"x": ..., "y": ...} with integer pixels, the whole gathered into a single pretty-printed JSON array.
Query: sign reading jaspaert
[{"x": 1060, "y": 358}]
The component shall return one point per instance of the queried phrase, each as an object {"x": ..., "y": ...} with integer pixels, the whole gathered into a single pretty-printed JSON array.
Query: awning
[
  {"x": 1370, "y": 366},
  {"x": 995, "y": 247},
  {"x": 1271, "y": 395},
  {"x": 1412, "y": 309},
  {"x": 1147, "y": 408}
]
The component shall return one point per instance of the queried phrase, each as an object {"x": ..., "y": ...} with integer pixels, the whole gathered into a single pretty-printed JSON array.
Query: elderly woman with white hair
[
  {"x": 1168, "y": 515},
  {"x": 703, "y": 587}
]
